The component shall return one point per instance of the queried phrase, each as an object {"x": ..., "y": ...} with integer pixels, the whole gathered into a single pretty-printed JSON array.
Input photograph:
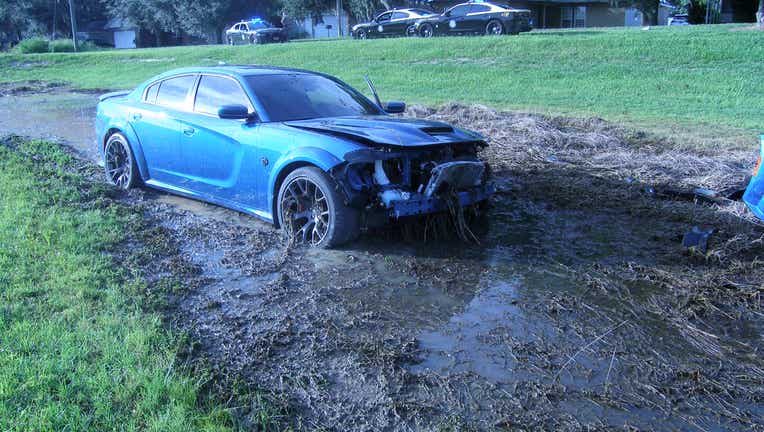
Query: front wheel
[
  {"x": 230, "y": 41},
  {"x": 362, "y": 34},
  {"x": 119, "y": 163},
  {"x": 311, "y": 210},
  {"x": 494, "y": 28}
]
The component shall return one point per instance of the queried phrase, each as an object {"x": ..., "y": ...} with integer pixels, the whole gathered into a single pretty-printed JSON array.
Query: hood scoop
[{"x": 436, "y": 130}]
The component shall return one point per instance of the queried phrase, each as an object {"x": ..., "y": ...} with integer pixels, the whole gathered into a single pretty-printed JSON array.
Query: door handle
[
  {"x": 136, "y": 116},
  {"x": 189, "y": 131}
]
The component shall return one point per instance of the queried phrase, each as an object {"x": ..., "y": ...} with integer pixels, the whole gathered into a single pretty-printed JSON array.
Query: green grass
[
  {"x": 78, "y": 351},
  {"x": 699, "y": 75}
]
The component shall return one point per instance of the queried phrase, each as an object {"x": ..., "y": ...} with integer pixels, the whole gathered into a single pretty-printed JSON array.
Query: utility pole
[
  {"x": 339, "y": 18},
  {"x": 74, "y": 24},
  {"x": 55, "y": 13}
]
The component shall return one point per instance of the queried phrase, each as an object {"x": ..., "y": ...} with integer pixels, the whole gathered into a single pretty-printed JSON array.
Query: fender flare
[
  {"x": 132, "y": 140},
  {"x": 292, "y": 160}
]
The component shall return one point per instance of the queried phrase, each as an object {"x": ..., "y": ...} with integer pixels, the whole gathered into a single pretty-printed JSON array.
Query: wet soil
[{"x": 579, "y": 309}]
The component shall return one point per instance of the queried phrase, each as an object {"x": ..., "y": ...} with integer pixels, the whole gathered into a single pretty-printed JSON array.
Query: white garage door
[{"x": 124, "y": 39}]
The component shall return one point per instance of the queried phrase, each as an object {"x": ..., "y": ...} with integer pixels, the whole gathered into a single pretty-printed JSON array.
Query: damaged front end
[{"x": 390, "y": 183}]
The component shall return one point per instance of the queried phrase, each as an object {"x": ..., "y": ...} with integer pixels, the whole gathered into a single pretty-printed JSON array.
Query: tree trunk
[{"x": 760, "y": 14}]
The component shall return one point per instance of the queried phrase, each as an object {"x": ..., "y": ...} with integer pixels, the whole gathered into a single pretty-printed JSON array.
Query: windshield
[
  {"x": 257, "y": 25},
  {"x": 297, "y": 96}
]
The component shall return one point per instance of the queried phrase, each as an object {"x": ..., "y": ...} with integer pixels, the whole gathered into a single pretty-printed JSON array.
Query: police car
[
  {"x": 396, "y": 22},
  {"x": 475, "y": 18},
  {"x": 255, "y": 31}
]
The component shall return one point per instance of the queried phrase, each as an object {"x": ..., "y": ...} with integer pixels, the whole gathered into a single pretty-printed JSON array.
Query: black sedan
[
  {"x": 397, "y": 22},
  {"x": 475, "y": 18}
]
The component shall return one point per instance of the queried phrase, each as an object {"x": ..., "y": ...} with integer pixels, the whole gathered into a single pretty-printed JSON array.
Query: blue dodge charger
[{"x": 300, "y": 149}]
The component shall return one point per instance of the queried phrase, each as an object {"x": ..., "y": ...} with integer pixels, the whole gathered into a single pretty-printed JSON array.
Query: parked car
[
  {"x": 396, "y": 22},
  {"x": 255, "y": 31},
  {"x": 300, "y": 149},
  {"x": 678, "y": 20},
  {"x": 754, "y": 193},
  {"x": 475, "y": 18}
]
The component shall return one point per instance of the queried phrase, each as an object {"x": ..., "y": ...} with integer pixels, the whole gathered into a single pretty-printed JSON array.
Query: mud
[{"x": 578, "y": 310}]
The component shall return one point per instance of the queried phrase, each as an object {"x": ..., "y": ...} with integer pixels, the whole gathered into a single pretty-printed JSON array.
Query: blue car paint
[
  {"x": 237, "y": 164},
  {"x": 754, "y": 193}
]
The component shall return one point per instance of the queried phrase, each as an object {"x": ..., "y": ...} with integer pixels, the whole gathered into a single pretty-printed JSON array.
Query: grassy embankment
[
  {"x": 703, "y": 80},
  {"x": 78, "y": 349}
]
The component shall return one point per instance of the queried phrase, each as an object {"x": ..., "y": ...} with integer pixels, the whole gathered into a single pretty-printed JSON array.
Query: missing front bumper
[{"x": 420, "y": 204}]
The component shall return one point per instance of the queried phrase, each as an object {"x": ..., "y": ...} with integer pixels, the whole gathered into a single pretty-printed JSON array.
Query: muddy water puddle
[
  {"x": 57, "y": 116},
  {"x": 524, "y": 318}
]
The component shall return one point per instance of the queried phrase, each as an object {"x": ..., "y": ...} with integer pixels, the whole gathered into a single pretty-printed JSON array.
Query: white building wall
[{"x": 321, "y": 31}]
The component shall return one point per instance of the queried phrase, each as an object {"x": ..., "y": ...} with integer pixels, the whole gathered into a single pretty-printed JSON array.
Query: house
[
  {"x": 116, "y": 32},
  {"x": 324, "y": 26},
  {"x": 124, "y": 33}
]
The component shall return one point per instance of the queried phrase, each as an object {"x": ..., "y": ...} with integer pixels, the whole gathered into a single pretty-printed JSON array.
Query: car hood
[
  {"x": 389, "y": 131},
  {"x": 268, "y": 30}
]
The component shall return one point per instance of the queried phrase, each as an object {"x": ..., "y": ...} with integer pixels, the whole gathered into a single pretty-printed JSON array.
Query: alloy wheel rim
[
  {"x": 118, "y": 164},
  {"x": 305, "y": 211},
  {"x": 494, "y": 29}
]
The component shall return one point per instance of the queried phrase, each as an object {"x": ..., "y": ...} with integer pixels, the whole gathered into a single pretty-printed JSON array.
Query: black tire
[
  {"x": 230, "y": 41},
  {"x": 362, "y": 34},
  {"x": 494, "y": 28},
  {"x": 253, "y": 40},
  {"x": 427, "y": 31},
  {"x": 119, "y": 163},
  {"x": 342, "y": 222},
  {"x": 410, "y": 31}
]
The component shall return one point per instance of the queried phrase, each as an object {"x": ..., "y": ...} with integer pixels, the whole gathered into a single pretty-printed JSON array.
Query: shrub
[
  {"x": 88, "y": 46},
  {"x": 61, "y": 45},
  {"x": 33, "y": 45}
]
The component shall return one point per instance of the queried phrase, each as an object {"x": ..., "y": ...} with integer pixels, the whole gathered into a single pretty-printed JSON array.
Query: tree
[
  {"x": 760, "y": 14},
  {"x": 305, "y": 8},
  {"x": 14, "y": 16},
  {"x": 155, "y": 16},
  {"x": 205, "y": 19}
]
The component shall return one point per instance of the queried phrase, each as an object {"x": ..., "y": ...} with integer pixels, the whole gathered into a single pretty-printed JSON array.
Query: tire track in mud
[{"x": 388, "y": 334}]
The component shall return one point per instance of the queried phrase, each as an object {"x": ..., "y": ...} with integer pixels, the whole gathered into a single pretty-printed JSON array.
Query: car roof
[{"x": 236, "y": 70}]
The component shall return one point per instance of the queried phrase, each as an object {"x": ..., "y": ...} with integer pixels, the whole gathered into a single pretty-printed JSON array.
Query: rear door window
[
  {"x": 216, "y": 91},
  {"x": 172, "y": 93},
  {"x": 151, "y": 93},
  {"x": 460, "y": 10},
  {"x": 476, "y": 8},
  {"x": 400, "y": 15}
]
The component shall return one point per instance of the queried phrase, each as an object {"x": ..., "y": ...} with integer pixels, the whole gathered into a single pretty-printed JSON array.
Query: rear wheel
[
  {"x": 230, "y": 41},
  {"x": 311, "y": 210},
  {"x": 410, "y": 31},
  {"x": 253, "y": 40},
  {"x": 119, "y": 163},
  {"x": 494, "y": 28},
  {"x": 427, "y": 31}
]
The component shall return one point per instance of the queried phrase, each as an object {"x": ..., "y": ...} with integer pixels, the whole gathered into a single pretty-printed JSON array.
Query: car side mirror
[
  {"x": 234, "y": 112},
  {"x": 395, "y": 107}
]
